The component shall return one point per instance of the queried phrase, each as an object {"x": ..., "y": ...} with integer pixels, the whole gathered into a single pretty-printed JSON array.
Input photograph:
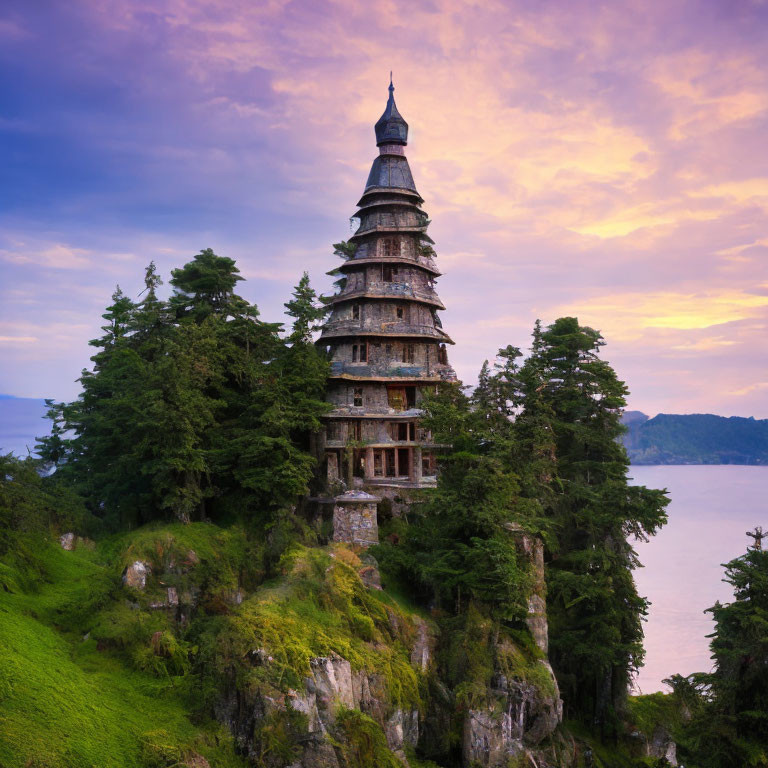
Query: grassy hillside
[{"x": 68, "y": 701}]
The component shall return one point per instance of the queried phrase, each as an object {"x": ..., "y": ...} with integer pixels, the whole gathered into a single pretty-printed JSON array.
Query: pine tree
[
  {"x": 206, "y": 285},
  {"x": 305, "y": 310},
  {"x": 594, "y": 609},
  {"x": 733, "y": 729},
  {"x": 194, "y": 407}
]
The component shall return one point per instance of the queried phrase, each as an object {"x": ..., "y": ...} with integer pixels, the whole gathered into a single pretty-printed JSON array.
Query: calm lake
[{"x": 711, "y": 508}]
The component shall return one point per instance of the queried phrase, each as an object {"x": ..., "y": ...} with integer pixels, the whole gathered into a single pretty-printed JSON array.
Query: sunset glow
[{"x": 603, "y": 161}]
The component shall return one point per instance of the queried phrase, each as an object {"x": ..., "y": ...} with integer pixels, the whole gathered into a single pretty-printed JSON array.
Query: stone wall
[
  {"x": 369, "y": 277},
  {"x": 354, "y": 518},
  {"x": 381, "y": 316},
  {"x": 374, "y": 431},
  {"x": 375, "y": 397}
]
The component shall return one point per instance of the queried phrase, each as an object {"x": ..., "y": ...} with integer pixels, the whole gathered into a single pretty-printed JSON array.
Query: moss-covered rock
[{"x": 316, "y": 643}]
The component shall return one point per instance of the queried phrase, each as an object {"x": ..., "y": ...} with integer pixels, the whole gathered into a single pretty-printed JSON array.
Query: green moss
[
  {"x": 218, "y": 557},
  {"x": 319, "y": 607},
  {"x": 159, "y": 749},
  {"x": 591, "y": 751},
  {"x": 364, "y": 743},
  {"x": 275, "y": 738},
  {"x": 478, "y": 647}
]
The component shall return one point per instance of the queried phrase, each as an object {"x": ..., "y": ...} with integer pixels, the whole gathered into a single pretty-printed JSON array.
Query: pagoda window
[
  {"x": 355, "y": 311},
  {"x": 401, "y": 312},
  {"x": 403, "y": 462},
  {"x": 389, "y": 457},
  {"x": 428, "y": 464},
  {"x": 356, "y": 430},
  {"x": 333, "y": 431},
  {"x": 357, "y": 397},
  {"x": 388, "y": 273},
  {"x": 408, "y": 353},
  {"x": 403, "y": 431},
  {"x": 360, "y": 352},
  {"x": 378, "y": 469},
  {"x": 396, "y": 398},
  {"x": 390, "y": 247}
]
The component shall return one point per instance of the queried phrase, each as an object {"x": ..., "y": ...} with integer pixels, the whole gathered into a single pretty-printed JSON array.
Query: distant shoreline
[{"x": 698, "y": 439}]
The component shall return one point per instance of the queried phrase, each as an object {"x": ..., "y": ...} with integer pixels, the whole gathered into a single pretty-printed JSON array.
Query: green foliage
[
  {"x": 318, "y": 608},
  {"x": 344, "y": 249},
  {"x": 364, "y": 743},
  {"x": 476, "y": 647},
  {"x": 31, "y": 508},
  {"x": 458, "y": 546},
  {"x": 64, "y": 702},
  {"x": 276, "y": 737},
  {"x": 304, "y": 310},
  {"x": 206, "y": 286},
  {"x": 194, "y": 407},
  {"x": 729, "y": 707},
  {"x": 649, "y": 711},
  {"x": 159, "y": 750},
  {"x": 594, "y": 610}
]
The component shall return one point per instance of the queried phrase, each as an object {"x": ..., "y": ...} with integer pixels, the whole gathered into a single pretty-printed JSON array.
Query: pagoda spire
[{"x": 391, "y": 128}]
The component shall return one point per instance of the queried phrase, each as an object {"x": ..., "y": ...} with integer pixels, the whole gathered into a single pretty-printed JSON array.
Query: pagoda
[{"x": 383, "y": 332}]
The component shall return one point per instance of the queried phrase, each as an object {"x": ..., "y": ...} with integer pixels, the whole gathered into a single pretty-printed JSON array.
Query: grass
[{"x": 64, "y": 703}]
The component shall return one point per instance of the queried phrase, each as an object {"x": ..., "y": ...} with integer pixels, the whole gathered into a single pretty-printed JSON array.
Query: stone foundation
[{"x": 354, "y": 518}]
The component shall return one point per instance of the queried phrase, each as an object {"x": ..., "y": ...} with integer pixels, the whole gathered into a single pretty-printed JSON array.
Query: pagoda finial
[{"x": 391, "y": 128}]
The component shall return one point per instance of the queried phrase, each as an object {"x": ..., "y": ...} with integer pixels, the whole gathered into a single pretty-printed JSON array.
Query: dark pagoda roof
[
  {"x": 390, "y": 172},
  {"x": 391, "y": 128}
]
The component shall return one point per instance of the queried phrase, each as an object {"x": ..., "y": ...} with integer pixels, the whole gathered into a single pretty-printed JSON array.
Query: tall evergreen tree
[{"x": 594, "y": 609}]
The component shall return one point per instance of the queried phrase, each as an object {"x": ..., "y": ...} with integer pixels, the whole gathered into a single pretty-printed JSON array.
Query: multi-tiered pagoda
[{"x": 386, "y": 340}]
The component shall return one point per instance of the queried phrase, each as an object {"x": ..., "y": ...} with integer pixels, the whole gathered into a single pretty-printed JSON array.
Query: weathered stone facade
[
  {"x": 386, "y": 340},
  {"x": 354, "y": 518}
]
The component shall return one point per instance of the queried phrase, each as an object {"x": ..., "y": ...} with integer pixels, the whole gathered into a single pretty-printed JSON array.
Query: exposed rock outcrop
[
  {"x": 135, "y": 574},
  {"x": 661, "y": 746},
  {"x": 423, "y": 648},
  {"x": 332, "y": 688},
  {"x": 518, "y": 716}
]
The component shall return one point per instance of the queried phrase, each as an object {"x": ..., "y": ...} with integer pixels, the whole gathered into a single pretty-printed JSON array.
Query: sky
[{"x": 603, "y": 160}]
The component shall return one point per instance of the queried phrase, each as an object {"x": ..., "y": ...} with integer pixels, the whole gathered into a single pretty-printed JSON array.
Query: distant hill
[
  {"x": 697, "y": 438},
  {"x": 22, "y": 419}
]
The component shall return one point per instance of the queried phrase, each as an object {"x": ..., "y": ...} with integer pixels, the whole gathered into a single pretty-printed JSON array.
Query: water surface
[{"x": 711, "y": 508}]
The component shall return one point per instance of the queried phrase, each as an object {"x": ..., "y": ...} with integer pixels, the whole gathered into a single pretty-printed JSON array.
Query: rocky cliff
[{"x": 323, "y": 665}]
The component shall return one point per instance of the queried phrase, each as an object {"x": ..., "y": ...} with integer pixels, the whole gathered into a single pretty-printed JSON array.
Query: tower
[{"x": 383, "y": 332}]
